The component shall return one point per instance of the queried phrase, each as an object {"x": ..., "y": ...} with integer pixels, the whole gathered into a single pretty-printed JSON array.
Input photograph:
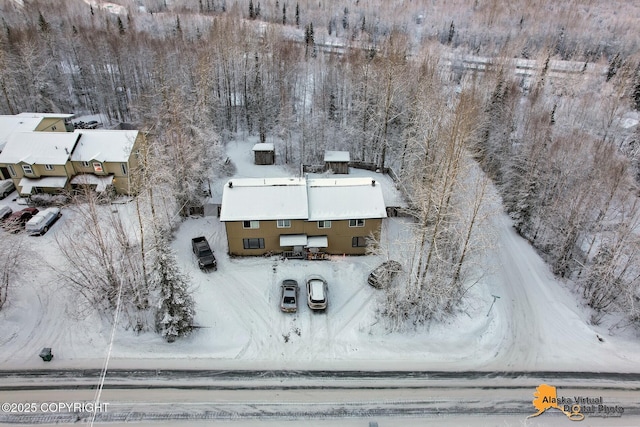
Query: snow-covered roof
[
  {"x": 104, "y": 145},
  {"x": 27, "y": 184},
  {"x": 101, "y": 182},
  {"x": 293, "y": 240},
  {"x": 264, "y": 199},
  {"x": 320, "y": 199},
  {"x": 317, "y": 242},
  {"x": 304, "y": 240},
  {"x": 46, "y": 115},
  {"x": 267, "y": 146},
  {"x": 336, "y": 156},
  {"x": 345, "y": 198},
  {"x": 43, "y": 148},
  {"x": 12, "y": 124}
]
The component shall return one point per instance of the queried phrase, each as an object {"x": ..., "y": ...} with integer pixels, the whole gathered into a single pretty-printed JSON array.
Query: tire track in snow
[
  {"x": 356, "y": 313},
  {"x": 235, "y": 296},
  {"x": 535, "y": 308},
  {"x": 27, "y": 340}
]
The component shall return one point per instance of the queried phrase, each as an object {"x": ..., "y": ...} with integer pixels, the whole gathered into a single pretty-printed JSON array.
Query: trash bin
[{"x": 46, "y": 354}]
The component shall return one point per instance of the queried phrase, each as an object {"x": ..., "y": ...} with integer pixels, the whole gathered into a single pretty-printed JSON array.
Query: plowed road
[{"x": 321, "y": 397}]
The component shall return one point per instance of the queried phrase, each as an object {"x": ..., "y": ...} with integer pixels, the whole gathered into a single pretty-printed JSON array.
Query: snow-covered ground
[{"x": 535, "y": 324}]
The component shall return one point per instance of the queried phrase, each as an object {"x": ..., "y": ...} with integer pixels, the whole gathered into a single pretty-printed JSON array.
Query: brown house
[
  {"x": 30, "y": 122},
  {"x": 334, "y": 216},
  {"x": 53, "y": 162},
  {"x": 50, "y": 122},
  {"x": 103, "y": 158},
  {"x": 38, "y": 162}
]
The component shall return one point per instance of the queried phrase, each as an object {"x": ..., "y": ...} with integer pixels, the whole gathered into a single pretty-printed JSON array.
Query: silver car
[
  {"x": 5, "y": 211},
  {"x": 6, "y": 188},
  {"x": 40, "y": 222},
  {"x": 289, "y": 296},
  {"x": 316, "y": 292}
]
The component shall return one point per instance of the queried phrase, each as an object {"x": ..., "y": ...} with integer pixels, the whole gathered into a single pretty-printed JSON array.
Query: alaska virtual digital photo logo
[{"x": 575, "y": 408}]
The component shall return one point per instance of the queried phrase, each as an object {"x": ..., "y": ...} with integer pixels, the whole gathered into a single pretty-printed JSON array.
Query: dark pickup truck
[{"x": 203, "y": 252}]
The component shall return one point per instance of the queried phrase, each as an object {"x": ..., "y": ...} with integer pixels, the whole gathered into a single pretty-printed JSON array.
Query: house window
[
  {"x": 53, "y": 127},
  {"x": 12, "y": 171},
  {"x": 324, "y": 224},
  {"x": 97, "y": 167},
  {"x": 48, "y": 167},
  {"x": 85, "y": 164},
  {"x": 27, "y": 169},
  {"x": 250, "y": 224},
  {"x": 253, "y": 243},
  {"x": 359, "y": 242},
  {"x": 356, "y": 223},
  {"x": 284, "y": 223},
  {"x": 123, "y": 167}
]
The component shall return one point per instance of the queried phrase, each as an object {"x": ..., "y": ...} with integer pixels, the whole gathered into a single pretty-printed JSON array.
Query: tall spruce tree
[{"x": 174, "y": 318}]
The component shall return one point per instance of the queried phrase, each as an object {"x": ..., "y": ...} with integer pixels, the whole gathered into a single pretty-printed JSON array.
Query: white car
[
  {"x": 6, "y": 188},
  {"x": 316, "y": 292},
  {"x": 40, "y": 222},
  {"x": 5, "y": 211}
]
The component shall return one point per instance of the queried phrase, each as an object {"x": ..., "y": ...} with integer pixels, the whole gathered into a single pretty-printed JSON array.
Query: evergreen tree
[
  {"x": 284, "y": 14},
  {"x": 614, "y": 65},
  {"x": 310, "y": 46},
  {"x": 120, "y": 26},
  {"x": 345, "y": 19},
  {"x": 252, "y": 14},
  {"x": 43, "y": 24},
  {"x": 174, "y": 318},
  {"x": 297, "y": 15},
  {"x": 178, "y": 26},
  {"x": 452, "y": 31},
  {"x": 636, "y": 89}
]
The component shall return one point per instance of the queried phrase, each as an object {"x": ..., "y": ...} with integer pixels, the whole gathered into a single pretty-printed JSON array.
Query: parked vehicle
[
  {"x": 16, "y": 221},
  {"x": 6, "y": 187},
  {"x": 201, "y": 248},
  {"x": 316, "y": 292},
  {"x": 289, "y": 296},
  {"x": 40, "y": 223},
  {"x": 5, "y": 211},
  {"x": 383, "y": 274}
]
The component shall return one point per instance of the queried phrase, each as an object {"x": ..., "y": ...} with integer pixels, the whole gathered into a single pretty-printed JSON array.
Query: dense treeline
[{"x": 370, "y": 77}]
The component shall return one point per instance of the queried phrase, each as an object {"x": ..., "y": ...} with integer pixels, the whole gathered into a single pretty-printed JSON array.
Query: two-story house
[
  {"x": 106, "y": 157},
  {"x": 29, "y": 122},
  {"x": 53, "y": 162},
  {"x": 39, "y": 162},
  {"x": 335, "y": 216}
]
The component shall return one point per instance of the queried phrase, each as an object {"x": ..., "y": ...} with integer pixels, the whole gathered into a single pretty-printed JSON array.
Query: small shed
[
  {"x": 265, "y": 154},
  {"x": 336, "y": 161}
]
